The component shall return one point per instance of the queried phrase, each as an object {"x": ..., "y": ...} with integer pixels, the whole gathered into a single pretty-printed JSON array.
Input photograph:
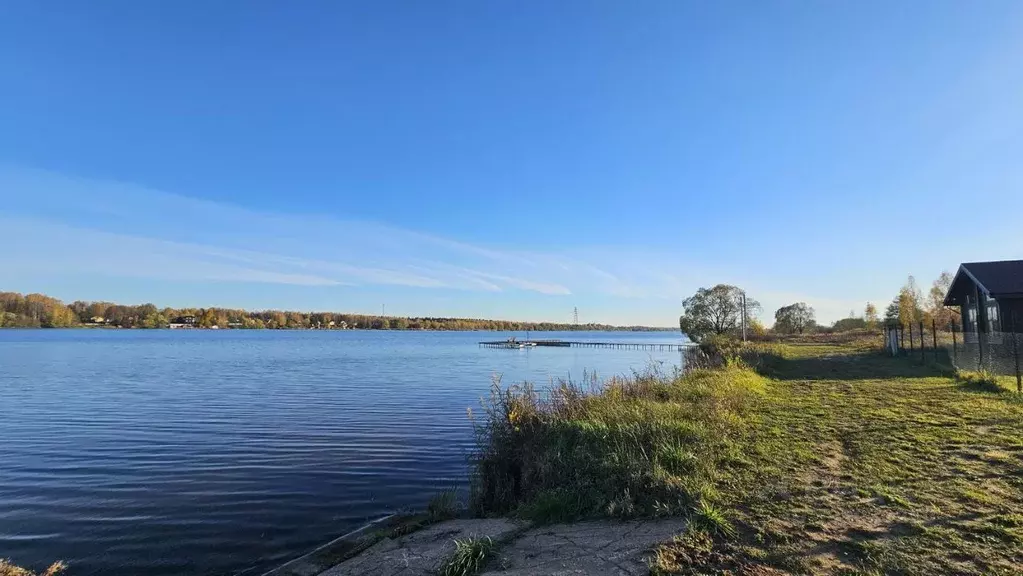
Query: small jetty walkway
[{"x": 678, "y": 347}]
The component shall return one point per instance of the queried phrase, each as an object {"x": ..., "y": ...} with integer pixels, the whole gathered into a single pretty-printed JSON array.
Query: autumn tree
[
  {"x": 297, "y": 320},
  {"x": 910, "y": 301},
  {"x": 870, "y": 315},
  {"x": 936, "y": 309},
  {"x": 794, "y": 318},
  {"x": 207, "y": 318},
  {"x": 716, "y": 310}
]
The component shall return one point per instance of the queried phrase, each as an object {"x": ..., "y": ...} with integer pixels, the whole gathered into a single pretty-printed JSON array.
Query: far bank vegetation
[{"x": 41, "y": 311}]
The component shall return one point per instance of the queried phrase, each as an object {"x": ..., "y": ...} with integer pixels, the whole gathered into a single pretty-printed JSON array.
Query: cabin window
[
  {"x": 970, "y": 321},
  {"x": 994, "y": 323},
  {"x": 992, "y": 316}
]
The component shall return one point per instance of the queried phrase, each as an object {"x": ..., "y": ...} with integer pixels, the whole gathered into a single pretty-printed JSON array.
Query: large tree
[
  {"x": 794, "y": 318},
  {"x": 716, "y": 310}
]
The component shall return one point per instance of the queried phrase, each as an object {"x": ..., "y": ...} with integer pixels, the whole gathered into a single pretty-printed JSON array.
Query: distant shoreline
[
  {"x": 109, "y": 327},
  {"x": 42, "y": 311}
]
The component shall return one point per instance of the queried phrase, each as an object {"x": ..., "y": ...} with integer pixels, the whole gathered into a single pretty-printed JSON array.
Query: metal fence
[{"x": 999, "y": 353}]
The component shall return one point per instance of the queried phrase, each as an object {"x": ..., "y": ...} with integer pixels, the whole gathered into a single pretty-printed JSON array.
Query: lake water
[{"x": 203, "y": 452}]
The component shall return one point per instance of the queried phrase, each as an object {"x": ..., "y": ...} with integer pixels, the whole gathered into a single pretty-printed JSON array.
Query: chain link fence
[{"x": 997, "y": 353}]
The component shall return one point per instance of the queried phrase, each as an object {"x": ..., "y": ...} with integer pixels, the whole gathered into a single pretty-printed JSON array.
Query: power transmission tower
[{"x": 575, "y": 314}]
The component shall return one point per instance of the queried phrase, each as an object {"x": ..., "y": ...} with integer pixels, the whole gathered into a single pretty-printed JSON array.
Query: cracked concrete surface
[{"x": 585, "y": 548}]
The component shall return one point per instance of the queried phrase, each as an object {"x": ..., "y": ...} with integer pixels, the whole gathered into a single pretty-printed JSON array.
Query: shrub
[{"x": 978, "y": 380}]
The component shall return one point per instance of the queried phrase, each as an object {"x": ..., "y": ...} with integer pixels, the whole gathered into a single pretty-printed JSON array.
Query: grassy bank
[
  {"x": 647, "y": 445},
  {"x": 811, "y": 457}
]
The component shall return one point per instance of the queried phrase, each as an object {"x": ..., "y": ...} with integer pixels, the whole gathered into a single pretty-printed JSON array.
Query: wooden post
[
  {"x": 923, "y": 343},
  {"x": 981, "y": 329},
  {"x": 980, "y": 349},
  {"x": 934, "y": 332},
  {"x": 955, "y": 351}
]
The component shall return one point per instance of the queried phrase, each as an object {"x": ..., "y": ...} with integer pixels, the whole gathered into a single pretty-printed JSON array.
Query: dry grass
[{"x": 8, "y": 569}]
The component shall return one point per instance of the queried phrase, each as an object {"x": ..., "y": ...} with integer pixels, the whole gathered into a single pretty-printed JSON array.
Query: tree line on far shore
[{"x": 41, "y": 311}]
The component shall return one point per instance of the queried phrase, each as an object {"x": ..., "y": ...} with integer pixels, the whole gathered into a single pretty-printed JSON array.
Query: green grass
[
  {"x": 811, "y": 457},
  {"x": 470, "y": 556},
  {"x": 883, "y": 466}
]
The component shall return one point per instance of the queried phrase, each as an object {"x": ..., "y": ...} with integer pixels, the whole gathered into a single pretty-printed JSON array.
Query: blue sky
[{"x": 505, "y": 159}]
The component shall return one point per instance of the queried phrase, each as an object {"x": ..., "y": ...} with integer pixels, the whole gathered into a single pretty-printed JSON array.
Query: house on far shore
[
  {"x": 183, "y": 322},
  {"x": 989, "y": 296}
]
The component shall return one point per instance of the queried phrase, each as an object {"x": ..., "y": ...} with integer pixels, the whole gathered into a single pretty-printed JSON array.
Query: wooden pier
[{"x": 576, "y": 344}]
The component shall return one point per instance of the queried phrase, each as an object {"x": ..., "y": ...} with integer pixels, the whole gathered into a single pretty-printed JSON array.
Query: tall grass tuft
[
  {"x": 471, "y": 556},
  {"x": 9, "y": 569},
  {"x": 443, "y": 506},
  {"x": 649, "y": 444},
  {"x": 711, "y": 519}
]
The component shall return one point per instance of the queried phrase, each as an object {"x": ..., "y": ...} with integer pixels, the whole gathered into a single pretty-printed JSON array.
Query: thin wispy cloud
[
  {"x": 88, "y": 227},
  {"x": 214, "y": 241},
  {"x": 541, "y": 287}
]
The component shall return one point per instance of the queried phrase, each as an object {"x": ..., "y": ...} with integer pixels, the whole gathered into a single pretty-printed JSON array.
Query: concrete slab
[
  {"x": 421, "y": 553},
  {"x": 585, "y": 548}
]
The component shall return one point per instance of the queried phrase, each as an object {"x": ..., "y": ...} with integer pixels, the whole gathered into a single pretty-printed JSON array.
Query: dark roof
[{"x": 996, "y": 279}]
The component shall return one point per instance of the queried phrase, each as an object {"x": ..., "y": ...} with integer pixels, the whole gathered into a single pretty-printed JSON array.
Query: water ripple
[{"x": 200, "y": 452}]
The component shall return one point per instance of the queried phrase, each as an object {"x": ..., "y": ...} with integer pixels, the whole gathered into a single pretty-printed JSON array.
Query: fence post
[
  {"x": 923, "y": 343},
  {"x": 954, "y": 346},
  {"x": 980, "y": 348},
  {"x": 1015, "y": 354},
  {"x": 934, "y": 333}
]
